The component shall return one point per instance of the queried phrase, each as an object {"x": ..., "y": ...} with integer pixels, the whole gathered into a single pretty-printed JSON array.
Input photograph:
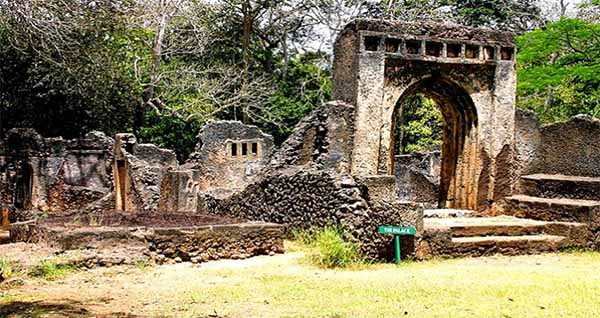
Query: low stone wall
[
  {"x": 214, "y": 242},
  {"x": 570, "y": 148},
  {"x": 161, "y": 245},
  {"x": 307, "y": 198}
]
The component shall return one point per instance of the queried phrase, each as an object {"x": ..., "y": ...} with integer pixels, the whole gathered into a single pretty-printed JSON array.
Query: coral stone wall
[
  {"x": 418, "y": 177},
  {"x": 229, "y": 155},
  {"x": 570, "y": 148},
  {"x": 307, "y": 198},
  {"x": 53, "y": 174},
  {"x": 163, "y": 245}
]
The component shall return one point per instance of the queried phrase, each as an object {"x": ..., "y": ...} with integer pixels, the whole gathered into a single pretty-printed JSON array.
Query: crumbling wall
[
  {"x": 53, "y": 174},
  {"x": 323, "y": 139},
  {"x": 418, "y": 177},
  {"x": 229, "y": 155},
  {"x": 309, "y": 198},
  {"x": 179, "y": 191},
  {"x": 138, "y": 173},
  {"x": 569, "y": 148}
]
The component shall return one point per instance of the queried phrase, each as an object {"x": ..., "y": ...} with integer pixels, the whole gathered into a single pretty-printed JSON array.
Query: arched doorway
[
  {"x": 459, "y": 149},
  {"x": 23, "y": 187}
]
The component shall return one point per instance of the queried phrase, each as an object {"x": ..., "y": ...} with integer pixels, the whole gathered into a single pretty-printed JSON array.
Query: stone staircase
[
  {"x": 557, "y": 197},
  {"x": 554, "y": 212},
  {"x": 508, "y": 235}
]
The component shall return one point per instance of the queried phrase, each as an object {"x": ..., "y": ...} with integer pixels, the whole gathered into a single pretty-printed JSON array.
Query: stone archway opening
[
  {"x": 458, "y": 179},
  {"x": 24, "y": 188}
]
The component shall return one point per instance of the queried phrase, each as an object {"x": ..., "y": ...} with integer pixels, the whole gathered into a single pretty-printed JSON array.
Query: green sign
[{"x": 397, "y": 231}]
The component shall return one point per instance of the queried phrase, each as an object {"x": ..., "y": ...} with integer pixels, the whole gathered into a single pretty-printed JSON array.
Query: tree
[
  {"x": 558, "y": 70},
  {"x": 61, "y": 66},
  {"x": 511, "y": 15}
]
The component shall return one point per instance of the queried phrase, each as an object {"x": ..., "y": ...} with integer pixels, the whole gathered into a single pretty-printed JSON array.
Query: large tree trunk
[
  {"x": 149, "y": 89},
  {"x": 247, "y": 31}
]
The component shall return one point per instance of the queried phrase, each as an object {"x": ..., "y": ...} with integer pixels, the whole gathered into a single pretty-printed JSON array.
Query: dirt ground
[{"x": 551, "y": 285}]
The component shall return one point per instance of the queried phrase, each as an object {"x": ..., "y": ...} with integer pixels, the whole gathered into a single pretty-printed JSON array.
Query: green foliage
[
  {"x": 301, "y": 86},
  {"x": 514, "y": 15},
  {"x": 171, "y": 132},
  {"x": 558, "y": 70},
  {"x": 328, "y": 249},
  {"x": 50, "y": 270},
  {"x": 420, "y": 125}
]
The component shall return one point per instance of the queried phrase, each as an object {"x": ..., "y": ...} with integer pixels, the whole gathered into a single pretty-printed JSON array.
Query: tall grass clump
[
  {"x": 50, "y": 270},
  {"x": 328, "y": 249},
  {"x": 6, "y": 269}
]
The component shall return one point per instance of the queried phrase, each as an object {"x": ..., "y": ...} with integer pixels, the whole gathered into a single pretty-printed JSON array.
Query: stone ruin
[{"x": 504, "y": 183}]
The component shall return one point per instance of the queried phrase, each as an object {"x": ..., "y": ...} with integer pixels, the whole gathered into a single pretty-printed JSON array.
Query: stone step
[
  {"x": 447, "y": 213},
  {"x": 552, "y": 209},
  {"x": 508, "y": 226},
  {"x": 506, "y": 245},
  {"x": 561, "y": 186}
]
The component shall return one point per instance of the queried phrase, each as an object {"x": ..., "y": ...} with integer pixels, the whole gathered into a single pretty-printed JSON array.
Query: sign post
[{"x": 397, "y": 231}]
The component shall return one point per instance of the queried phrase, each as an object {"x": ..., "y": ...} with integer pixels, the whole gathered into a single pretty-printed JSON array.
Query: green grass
[
  {"x": 553, "y": 285},
  {"x": 565, "y": 285},
  {"x": 50, "y": 270},
  {"x": 326, "y": 248}
]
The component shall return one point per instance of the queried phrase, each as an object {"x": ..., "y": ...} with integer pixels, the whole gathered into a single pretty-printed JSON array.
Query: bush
[
  {"x": 50, "y": 270},
  {"x": 330, "y": 250}
]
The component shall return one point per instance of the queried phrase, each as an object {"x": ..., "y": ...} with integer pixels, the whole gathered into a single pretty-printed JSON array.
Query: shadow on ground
[{"x": 67, "y": 309}]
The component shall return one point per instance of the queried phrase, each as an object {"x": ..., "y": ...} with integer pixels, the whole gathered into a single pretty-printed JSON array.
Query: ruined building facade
[
  {"x": 471, "y": 75},
  {"x": 338, "y": 167}
]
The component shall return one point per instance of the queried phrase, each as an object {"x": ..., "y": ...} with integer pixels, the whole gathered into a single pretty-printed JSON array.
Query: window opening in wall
[
  {"x": 490, "y": 53},
  {"x": 244, "y": 149},
  {"x": 255, "y": 148},
  {"x": 433, "y": 49},
  {"x": 506, "y": 53},
  {"x": 472, "y": 52},
  {"x": 392, "y": 45},
  {"x": 413, "y": 47},
  {"x": 371, "y": 43},
  {"x": 453, "y": 50},
  {"x": 234, "y": 150}
]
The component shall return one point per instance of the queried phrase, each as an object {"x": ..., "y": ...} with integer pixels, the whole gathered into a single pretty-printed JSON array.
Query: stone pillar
[{"x": 371, "y": 77}]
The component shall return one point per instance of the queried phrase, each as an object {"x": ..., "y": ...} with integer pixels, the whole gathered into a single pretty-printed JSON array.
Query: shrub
[
  {"x": 330, "y": 250},
  {"x": 50, "y": 270}
]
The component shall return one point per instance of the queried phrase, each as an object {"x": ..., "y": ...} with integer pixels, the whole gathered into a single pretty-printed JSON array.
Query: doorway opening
[
  {"x": 121, "y": 184},
  {"x": 24, "y": 188},
  {"x": 435, "y": 142}
]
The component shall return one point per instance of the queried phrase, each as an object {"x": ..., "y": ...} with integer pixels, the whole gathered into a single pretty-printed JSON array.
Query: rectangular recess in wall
[
  {"x": 489, "y": 52},
  {"x": 244, "y": 149},
  {"x": 234, "y": 149},
  {"x": 392, "y": 45},
  {"x": 254, "y": 148},
  {"x": 433, "y": 49},
  {"x": 453, "y": 50},
  {"x": 413, "y": 47},
  {"x": 372, "y": 43},
  {"x": 507, "y": 53},
  {"x": 472, "y": 52}
]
